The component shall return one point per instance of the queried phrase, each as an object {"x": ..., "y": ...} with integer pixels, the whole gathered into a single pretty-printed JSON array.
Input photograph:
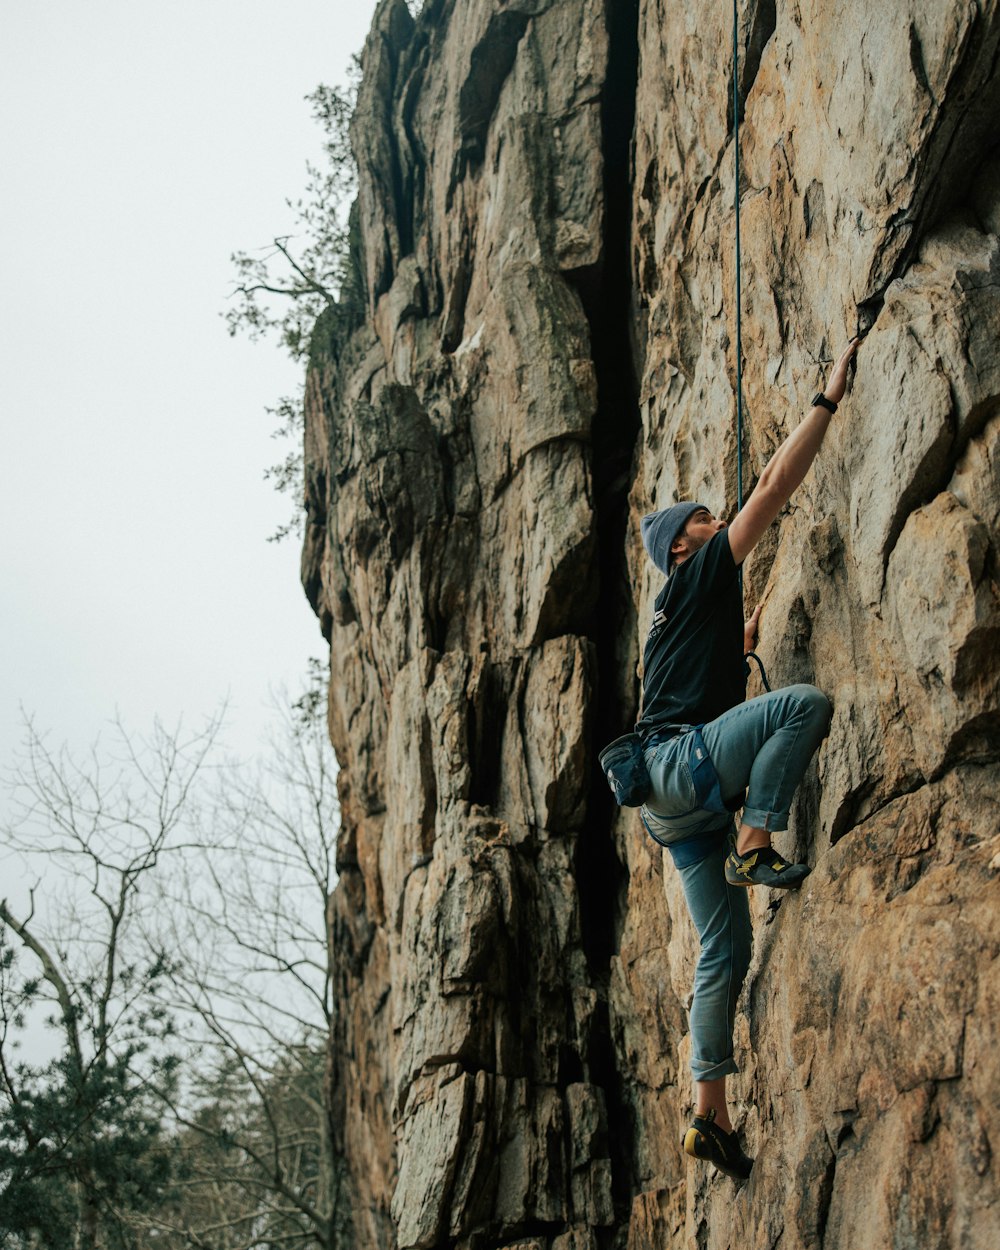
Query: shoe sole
[{"x": 767, "y": 885}]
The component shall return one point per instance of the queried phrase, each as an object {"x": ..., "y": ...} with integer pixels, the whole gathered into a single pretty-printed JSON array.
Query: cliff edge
[{"x": 547, "y": 235}]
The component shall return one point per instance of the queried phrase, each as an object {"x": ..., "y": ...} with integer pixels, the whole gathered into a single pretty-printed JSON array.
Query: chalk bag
[{"x": 625, "y": 769}]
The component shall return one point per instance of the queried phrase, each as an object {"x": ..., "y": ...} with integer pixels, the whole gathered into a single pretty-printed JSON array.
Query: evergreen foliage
[{"x": 82, "y": 1140}]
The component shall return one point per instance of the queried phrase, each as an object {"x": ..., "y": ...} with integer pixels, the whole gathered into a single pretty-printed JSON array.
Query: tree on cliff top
[
  {"x": 286, "y": 286},
  {"x": 282, "y": 288}
]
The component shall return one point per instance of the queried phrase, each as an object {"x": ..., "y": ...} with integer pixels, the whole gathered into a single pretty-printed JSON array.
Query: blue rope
[
  {"x": 751, "y": 655},
  {"x": 739, "y": 291}
]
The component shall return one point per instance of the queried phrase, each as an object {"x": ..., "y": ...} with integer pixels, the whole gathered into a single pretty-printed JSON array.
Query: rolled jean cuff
[
  {"x": 712, "y": 1072},
  {"x": 773, "y": 822}
]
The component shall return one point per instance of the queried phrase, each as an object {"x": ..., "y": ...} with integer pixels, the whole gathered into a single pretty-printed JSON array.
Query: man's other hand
[{"x": 750, "y": 630}]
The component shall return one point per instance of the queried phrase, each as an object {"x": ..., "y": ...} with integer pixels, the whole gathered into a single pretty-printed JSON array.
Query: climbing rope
[
  {"x": 751, "y": 655},
  {"x": 739, "y": 291}
]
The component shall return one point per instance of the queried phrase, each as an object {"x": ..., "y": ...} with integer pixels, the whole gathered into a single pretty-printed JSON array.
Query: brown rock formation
[{"x": 547, "y": 225}]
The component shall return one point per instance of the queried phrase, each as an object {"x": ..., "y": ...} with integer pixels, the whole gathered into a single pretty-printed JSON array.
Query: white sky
[{"x": 141, "y": 143}]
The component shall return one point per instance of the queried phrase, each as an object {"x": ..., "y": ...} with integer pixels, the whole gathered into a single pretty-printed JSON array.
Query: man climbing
[{"x": 704, "y": 744}]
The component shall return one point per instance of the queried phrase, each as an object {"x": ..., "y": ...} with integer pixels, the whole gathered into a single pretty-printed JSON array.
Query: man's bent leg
[{"x": 765, "y": 745}]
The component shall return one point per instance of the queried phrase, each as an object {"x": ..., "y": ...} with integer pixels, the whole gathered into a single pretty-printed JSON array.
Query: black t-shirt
[{"x": 693, "y": 666}]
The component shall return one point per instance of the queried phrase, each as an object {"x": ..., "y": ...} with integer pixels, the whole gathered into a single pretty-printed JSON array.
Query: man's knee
[{"x": 816, "y": 707}]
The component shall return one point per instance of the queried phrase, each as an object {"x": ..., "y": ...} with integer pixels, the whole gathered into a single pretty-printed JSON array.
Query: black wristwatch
[{"x": 819, "y": 400}]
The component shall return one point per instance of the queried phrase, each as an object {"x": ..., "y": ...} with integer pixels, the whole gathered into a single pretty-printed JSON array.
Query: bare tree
[
  {"x": 181, "y": 945},
  {"x": 81, "y": 1138},
  {"x": 253, "y": 975}
]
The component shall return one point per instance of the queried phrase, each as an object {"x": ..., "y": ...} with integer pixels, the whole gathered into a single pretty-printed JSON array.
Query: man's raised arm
[{"x": 788, "y": 466}]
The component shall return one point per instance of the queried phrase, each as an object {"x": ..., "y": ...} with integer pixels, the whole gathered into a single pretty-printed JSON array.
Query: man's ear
[{"x": 678, "y": 545}]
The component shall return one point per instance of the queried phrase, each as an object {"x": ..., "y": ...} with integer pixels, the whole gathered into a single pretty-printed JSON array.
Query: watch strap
[{"x": 819, "y": 400}]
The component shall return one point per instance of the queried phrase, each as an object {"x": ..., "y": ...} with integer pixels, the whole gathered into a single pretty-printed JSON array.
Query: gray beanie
[{"x": 659, "y": 529}]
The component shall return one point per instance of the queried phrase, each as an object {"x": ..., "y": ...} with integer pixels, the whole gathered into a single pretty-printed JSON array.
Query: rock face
[{"x": 546, "y": 214}]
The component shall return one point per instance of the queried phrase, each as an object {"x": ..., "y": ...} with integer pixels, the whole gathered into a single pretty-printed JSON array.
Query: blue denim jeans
[{"x": 765, "y": 746}]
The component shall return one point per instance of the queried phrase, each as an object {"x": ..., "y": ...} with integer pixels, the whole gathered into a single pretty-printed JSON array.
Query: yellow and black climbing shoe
[
  {"x": 763, "y": 866},
  {"x": 705, "y": 1140}
]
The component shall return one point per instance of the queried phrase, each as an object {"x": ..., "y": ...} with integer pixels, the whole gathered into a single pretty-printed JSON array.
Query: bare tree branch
[{"x": 52, "y": 974}]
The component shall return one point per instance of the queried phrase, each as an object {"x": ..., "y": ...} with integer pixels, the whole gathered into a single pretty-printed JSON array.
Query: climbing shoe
[
  {"x": 705, "y": 1140},
  {"x": 763, "y": 866}
]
